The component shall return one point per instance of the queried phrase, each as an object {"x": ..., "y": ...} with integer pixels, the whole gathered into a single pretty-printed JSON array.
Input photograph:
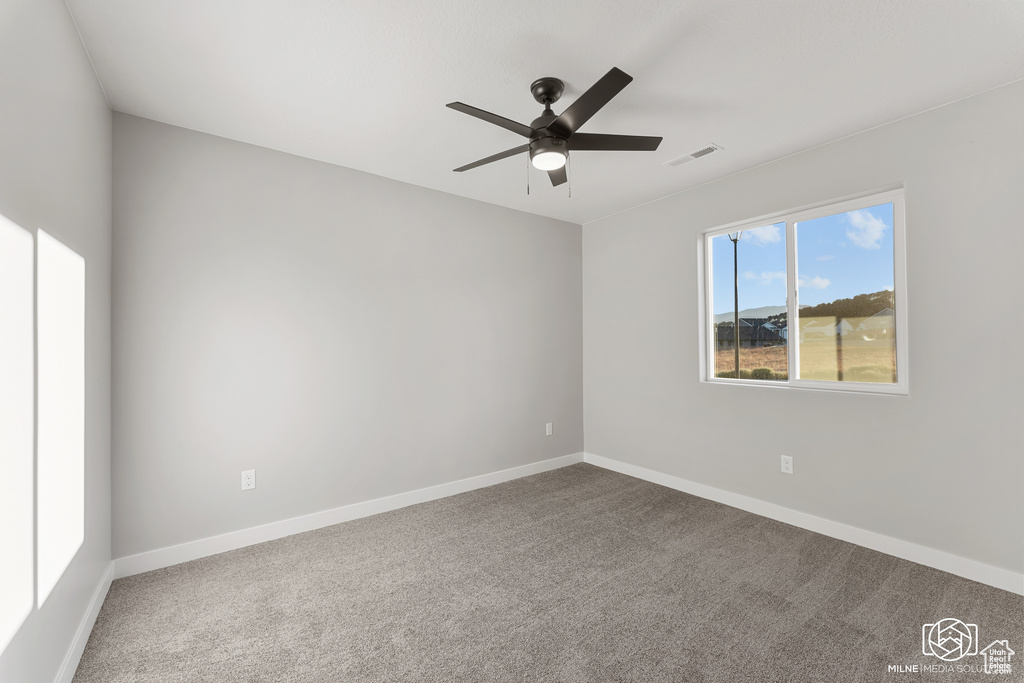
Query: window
[{"x": 812, "y": 298}]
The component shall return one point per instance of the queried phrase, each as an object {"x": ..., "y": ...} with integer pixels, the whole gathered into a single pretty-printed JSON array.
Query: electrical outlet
[
  {"x": 548, "y": 431},
  {"x": 248, "y": 479},
  {"x": 787, "y": 464}
]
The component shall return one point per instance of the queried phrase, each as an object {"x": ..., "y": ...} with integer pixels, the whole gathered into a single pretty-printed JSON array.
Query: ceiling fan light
[
  {"x": 548, "y": 154},
  {"x": 549, "y": 161}
]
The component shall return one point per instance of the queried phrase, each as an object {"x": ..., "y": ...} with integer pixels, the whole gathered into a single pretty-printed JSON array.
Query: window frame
[{"x": 791, "y": 218}]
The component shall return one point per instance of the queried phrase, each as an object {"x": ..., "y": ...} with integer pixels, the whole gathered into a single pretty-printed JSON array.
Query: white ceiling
[{"x": 363, "y": 83}]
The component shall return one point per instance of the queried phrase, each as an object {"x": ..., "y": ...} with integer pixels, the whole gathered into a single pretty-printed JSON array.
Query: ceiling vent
[{"x": 697, "y": 154}]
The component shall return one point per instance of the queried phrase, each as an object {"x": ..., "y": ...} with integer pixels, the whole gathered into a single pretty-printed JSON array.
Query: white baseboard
[
  {"x": 74, "y": 654},
  {"x": 938, "y": 559},
  {"x": 165, "y": 557}
]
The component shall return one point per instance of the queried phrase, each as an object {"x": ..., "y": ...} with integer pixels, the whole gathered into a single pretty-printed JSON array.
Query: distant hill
[
  {"x": 860, "y": 306},
  {"x": 763, "y": 312}
]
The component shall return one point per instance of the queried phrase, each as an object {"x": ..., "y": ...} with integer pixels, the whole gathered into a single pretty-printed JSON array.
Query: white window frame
[{"x": 791, "y": 218}]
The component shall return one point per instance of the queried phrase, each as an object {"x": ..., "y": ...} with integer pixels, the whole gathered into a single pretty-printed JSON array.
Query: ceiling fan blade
[
  {"x": 613, "y": 143},
  {"x": 487, "y": 116},
  {"x": 558, "y": 176},
  {"x": 590, "y": 102},
  {"x": 494, "y": 157}
]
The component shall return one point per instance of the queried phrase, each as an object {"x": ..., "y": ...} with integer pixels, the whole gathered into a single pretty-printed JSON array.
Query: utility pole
[
  {"x": 839, "y": 348},
  {"x": 736, "y": 300}
]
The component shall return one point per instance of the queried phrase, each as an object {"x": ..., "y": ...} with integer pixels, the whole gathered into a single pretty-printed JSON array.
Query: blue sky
[{"x": 838, "y": 257}]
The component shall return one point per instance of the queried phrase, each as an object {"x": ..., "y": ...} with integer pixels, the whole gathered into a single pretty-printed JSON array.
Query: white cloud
[
  {"x": 815, "y": 282},
  {"x": 765, "y": 278},
  {"x": 769, "y": 234},
  {"x": 866, "y": 230},
  {"x": 825, "y": 258}
]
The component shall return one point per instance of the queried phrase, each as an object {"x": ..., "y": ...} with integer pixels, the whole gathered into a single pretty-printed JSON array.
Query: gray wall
[
  {"x": 55, "y": 141},
  {"x": 347, "y": 336},
  {"x": 942, "y": 467}
]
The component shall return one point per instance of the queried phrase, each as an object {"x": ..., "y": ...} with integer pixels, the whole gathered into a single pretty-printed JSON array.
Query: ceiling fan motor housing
[{"x": 542, "y": 121}]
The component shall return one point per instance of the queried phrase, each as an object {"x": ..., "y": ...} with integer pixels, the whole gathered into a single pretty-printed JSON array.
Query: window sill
[{"x": 811, "y": 385}]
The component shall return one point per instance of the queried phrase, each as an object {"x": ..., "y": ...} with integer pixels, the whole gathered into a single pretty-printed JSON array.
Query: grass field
[{"x": 861, "y": 361}]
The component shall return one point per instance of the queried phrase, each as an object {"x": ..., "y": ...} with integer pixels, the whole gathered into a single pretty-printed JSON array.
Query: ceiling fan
[{"x": 553, "y": 136}]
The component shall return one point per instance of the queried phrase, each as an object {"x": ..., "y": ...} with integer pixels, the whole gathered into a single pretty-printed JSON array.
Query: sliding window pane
[
  {"x": 750, "y": 266},
  {"x": 845, "y": 281}
]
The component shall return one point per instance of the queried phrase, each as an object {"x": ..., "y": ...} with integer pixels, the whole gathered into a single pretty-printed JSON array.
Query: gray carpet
[{"x": 579, "y": 574}]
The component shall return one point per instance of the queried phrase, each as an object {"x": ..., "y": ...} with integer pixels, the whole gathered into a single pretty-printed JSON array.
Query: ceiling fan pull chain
[{"x": 527, "y": 174}]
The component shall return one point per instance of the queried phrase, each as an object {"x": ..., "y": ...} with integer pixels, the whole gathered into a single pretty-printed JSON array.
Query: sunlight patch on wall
[
  {"x": 16, "y": 428},
  {"x": 61, "y": 409}
]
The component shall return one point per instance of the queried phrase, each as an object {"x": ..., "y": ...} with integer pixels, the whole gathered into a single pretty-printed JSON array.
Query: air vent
[{"x": 702, "y": 152}]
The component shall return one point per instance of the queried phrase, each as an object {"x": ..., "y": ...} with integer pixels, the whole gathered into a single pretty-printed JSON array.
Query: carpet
[{"x": 578, "y": 574}]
